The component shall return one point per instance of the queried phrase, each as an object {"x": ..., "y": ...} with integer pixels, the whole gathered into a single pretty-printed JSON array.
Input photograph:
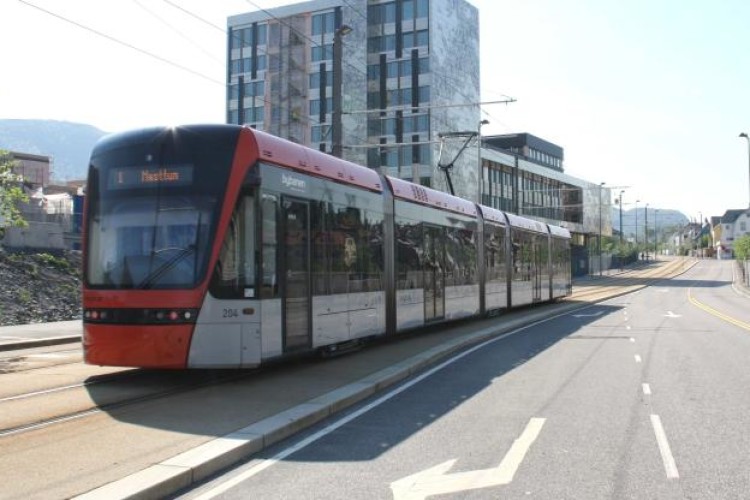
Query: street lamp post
[
  {"x": 700, "y": 232},
  {"x": 636, "y": 224},
  {"x": 336, "y": 123},
  {"x": 743, "y": 134},
  {"x": 480, "y": 179},
  {"x": 621, "y": 230},
  {"x": 656, "y": 234},
  {"x": 601, "y": 185},
  {"x": 645, "y": 231}
]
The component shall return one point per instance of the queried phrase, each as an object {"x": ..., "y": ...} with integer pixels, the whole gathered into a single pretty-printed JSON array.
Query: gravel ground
[{"x": 39, "y": 287}]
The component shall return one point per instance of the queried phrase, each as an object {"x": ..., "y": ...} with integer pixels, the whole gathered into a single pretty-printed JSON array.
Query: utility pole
[
  {"x": 336, "y": 123},
  {"x": 621, "y": 229}
]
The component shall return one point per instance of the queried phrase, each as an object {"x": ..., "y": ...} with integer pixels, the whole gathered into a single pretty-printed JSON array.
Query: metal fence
[{"x": 744, "y": 271}]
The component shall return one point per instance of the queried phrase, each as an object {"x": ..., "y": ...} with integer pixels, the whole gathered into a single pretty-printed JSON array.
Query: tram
[{"x": 219, "y": 246}]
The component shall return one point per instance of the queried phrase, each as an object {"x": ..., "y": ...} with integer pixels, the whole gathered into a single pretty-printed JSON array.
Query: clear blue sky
[{"x": 645, "y": 94}]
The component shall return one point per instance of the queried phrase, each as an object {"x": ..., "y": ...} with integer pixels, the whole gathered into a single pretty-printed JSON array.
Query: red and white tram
[{"x": 221, "y": 246}]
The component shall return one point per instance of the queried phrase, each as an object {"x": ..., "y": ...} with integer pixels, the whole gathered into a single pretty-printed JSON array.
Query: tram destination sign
[{"x": 150, "y": 177}]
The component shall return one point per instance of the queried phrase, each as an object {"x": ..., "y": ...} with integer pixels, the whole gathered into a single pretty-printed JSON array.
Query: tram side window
[
  {"x": 543, "y": 257},
  {"x": 522, "y": 256},
  {"x": 495, "y": 253},
  {"x": 409, "y": 248},
  {"x": 371, "y": 256},
  {"x": 235, "y": 270},
  {"x": 269, "y": 284},
  {"x": 462, "y": 252},
  {"x": 347, "y": 249}
]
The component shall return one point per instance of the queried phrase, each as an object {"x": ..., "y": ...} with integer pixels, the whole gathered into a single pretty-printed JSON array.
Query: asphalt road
[{"x": 641, "y": 396}]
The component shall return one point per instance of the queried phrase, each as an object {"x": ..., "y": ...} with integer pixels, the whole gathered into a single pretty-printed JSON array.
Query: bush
[{"x": 742, "y": 248}]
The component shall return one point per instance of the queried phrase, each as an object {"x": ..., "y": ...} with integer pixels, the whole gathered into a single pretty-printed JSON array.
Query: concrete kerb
[
  {"x": 18, "y": 345},
  {"x": 179, "y": 472}
]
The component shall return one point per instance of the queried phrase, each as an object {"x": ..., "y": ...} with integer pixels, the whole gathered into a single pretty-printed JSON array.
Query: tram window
[
  {"x": 347, "y": 249},
  {"x": 343, "y": 248},
  {"x": 235, "y": 269},
  {"x": 269, "y": 284},
  {"x": 408, "y": 254},
  {"x": 522, "y": 249},
  {"x": 453, "y": 257},
  {"x": 495, "y": 253},
  {"x": 462, "y": 257}
]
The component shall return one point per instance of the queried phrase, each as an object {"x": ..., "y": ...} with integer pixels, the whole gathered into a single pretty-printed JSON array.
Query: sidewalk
[{"x": 40, "y": 334}]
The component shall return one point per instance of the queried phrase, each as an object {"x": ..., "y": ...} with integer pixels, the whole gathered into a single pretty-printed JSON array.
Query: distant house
[
  {"x": 52, "y": 212},
  {"x": 686, "y": 238},
  {"x": 34, "y": 170},
  {"x": 733, "y": 225}
]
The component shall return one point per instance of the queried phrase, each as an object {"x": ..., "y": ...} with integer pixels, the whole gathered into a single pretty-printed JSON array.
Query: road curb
[{"x": 30, "y": 344}]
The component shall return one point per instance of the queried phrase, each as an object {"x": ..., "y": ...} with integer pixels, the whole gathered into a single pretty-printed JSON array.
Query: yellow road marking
[{"x": 716, "y": 313}]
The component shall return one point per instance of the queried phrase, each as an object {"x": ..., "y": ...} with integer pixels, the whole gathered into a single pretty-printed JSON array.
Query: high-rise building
[{"x": 409, "y": 72}]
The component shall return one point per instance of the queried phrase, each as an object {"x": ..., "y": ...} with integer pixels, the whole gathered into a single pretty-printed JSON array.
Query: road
[{"x": 641, "y": 396}]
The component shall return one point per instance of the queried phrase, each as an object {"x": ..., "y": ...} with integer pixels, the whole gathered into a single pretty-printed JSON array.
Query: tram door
[
  {"x": 536, "y": 272},
  {"x": 433, "y": 273},
  {"x": 296, "y": 286}
]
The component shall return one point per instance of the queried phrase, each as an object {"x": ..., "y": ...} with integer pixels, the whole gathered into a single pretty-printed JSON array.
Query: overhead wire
[
  {"x": 123, "y": 43},
  {"x": 169, "y": 62},
  {"x": 157, "y": 57},
  {"x": 178, "y": 32},
  {"x": 226, "y": 33}
]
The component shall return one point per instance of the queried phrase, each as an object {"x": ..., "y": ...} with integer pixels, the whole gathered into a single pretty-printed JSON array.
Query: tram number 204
[{"x": 230, "y": 313}]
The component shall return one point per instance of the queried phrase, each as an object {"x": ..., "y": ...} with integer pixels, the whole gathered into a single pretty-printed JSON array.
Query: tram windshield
[
  {"x": 154, "y": 197},
  {"x": 149, "y": 241}
]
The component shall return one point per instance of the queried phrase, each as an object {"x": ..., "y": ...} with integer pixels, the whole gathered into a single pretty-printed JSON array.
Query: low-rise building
[{"x": 733, "y": 225}]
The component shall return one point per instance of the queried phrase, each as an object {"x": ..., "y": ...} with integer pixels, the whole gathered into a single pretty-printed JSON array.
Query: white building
[{"x": 733, "y": 225}]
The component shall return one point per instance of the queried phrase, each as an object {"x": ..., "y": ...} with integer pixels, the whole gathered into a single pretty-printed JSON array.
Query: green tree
[
  {"x": 742, "y": 248},
  {"x": 11, "y": 192}
]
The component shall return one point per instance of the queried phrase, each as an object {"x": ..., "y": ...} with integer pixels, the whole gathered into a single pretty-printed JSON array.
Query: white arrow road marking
[
  {"x": 670, "y": 314},
  {"x": 592, "y": 315},
  {"x": 437, "y": 481}
]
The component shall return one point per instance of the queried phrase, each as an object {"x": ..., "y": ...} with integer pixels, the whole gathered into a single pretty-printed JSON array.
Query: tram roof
[
  {"x": 425, "y": 196},
  {"x": 493, "y": 215},
  {"x": 303, "y": 159},
  {"x": 529, "y": 224},
  {"x": 558, "y": 231}
]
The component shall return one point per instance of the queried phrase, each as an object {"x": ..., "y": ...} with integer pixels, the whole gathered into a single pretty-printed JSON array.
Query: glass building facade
[{"x": 398, "y": 80}]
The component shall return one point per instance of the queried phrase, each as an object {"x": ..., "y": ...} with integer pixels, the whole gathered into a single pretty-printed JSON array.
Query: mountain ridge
[{"x": 69, "y": 144}]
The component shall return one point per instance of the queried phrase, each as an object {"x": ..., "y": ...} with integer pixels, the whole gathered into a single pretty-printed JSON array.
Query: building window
[
  {"x": 315, "y": 79},
  {"x": 315, "y": 106},
  {"x": 743, "y": 227},
  {"x": 424, "y": 94},
  {"x": 423, "y": 8},
  {"x": 322, "y": 53},
  {"x": 389, "y": 12},
  {"x": 322, "y": 23},
  {"x": 407, "y": 10},
  {"x": 373, "y": 72}
]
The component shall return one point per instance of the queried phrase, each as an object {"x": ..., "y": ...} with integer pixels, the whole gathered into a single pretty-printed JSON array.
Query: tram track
[
  {"x": 629, "y": 280},
  {"x": 20, "y": 413}
]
